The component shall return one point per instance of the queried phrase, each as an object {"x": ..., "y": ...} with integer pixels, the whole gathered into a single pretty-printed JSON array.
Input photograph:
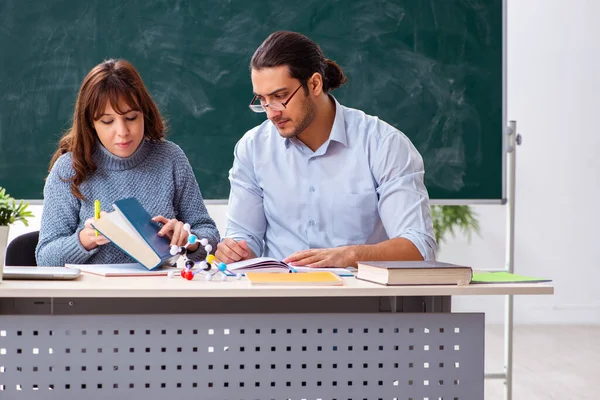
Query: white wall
[{"x": 553, "y": 92}]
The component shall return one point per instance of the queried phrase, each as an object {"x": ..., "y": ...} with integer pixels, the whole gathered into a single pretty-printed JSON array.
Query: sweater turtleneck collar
[{"x": 106, "y": 160}]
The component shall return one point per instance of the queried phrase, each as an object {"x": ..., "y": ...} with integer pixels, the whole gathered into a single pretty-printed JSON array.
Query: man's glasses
[{"x": 275, "y": 105}]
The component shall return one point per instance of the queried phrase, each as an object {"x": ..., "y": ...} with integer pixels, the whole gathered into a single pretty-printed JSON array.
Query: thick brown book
[{"x": 414, "y": 273}]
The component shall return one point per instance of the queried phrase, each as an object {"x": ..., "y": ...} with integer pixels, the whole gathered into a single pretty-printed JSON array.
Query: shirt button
[
  {"x": 311, "y": 189},
  {"x": 311, "y": 223}
]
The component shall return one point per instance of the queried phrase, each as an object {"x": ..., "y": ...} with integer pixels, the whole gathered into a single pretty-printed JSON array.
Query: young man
[{"x": 320, "y": 184}]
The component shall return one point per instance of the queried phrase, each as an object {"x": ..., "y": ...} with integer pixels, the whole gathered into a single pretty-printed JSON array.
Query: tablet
[{"x": 40, "y": 273}]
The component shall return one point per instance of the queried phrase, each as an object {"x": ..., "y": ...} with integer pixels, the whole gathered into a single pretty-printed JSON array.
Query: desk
[{"x": 156, "y": 337}]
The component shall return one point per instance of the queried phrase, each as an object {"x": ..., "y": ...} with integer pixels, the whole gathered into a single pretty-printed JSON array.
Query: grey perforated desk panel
[{"x": 109, "y": 338}]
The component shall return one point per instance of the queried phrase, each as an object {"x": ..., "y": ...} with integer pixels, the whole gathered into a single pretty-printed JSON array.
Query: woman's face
[{"x": 121, "y": 134}]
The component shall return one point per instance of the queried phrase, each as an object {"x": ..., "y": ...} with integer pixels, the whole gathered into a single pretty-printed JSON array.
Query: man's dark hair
[{"x": 302, "y": 56}]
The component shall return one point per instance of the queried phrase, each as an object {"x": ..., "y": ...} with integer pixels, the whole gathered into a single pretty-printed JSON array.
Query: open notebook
[
  {"x": 268, "y": 264},
  {"x": 111, "y": 270}
]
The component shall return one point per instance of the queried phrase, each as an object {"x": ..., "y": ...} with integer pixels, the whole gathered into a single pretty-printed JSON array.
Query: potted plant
[
  {"x": 10, "y": 212},
  {"x": 447, "y": 219}
]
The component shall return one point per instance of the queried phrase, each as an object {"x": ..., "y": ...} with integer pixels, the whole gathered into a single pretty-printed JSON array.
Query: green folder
[{"x": 504, "y": 277}]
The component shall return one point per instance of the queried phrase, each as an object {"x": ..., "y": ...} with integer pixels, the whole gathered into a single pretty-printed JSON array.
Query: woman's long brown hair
[{"x": 114, "y": 81}]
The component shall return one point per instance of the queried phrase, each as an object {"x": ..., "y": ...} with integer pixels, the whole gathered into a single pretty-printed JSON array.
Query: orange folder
[{"x": 321, "y": 278}]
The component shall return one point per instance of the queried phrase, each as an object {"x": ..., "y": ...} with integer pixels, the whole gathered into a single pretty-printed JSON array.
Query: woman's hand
[
  {"x": 173, "y": 229},
  {"x": 88, "y": 238}
]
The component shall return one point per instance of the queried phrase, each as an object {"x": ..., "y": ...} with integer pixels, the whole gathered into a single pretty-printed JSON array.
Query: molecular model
[{"x": 204, "y": 266}]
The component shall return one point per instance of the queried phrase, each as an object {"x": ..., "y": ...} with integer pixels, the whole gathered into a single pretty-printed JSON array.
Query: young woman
[{"x": 116, "y": 149}]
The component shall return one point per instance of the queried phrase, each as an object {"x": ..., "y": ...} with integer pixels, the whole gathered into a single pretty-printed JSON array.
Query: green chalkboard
[{"x": 432, "y": 68}]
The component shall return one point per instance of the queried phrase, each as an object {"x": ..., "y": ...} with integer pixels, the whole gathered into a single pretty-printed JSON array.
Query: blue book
[{"x": 131, "y": 228}]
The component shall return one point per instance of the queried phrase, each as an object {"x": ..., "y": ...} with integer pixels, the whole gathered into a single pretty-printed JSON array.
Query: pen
[{"x": 97, "y": 211}]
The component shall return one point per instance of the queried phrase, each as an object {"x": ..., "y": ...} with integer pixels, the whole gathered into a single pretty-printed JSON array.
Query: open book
[
  {"x": 131, "y": 228},
  {"x": 268, "y": 264}
]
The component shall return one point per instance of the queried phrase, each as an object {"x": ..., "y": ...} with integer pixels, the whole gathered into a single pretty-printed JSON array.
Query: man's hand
[
  {"x": 341, "y": 257},
  {"x": 229, "y": 251},
  {"x": 88, "y": 238},
  {"x": 173, "y": 229}
]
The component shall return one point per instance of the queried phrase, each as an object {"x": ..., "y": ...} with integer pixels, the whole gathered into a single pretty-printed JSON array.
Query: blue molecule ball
[
  {"x": 222, "y": 267},
  {"x": 192, "y": 239}
]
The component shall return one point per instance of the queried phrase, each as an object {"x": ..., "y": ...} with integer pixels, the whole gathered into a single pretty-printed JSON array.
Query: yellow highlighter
[{"x": 97, "y": 211}]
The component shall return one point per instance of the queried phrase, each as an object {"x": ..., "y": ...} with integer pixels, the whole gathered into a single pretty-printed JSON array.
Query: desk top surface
[{"x": 161, "y": 286}]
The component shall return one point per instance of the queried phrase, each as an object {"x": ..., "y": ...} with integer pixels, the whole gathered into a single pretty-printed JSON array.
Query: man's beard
[{"x": 309, "y": 111}]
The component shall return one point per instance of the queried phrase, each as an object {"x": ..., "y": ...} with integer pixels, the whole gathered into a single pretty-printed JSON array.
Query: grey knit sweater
[{"x": 158, "y": 174}]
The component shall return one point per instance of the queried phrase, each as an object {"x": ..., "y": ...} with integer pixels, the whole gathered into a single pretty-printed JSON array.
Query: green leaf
[
  {"x": 447, "y": 219},
  {"x": 11, "y": 212}
]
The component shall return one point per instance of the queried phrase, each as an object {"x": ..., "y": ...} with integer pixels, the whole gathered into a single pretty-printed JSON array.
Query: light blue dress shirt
[{"x": 364, "y": 185}]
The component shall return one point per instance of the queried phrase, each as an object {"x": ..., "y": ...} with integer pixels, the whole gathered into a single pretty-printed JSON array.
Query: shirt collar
[{"x": 338, "y": 130}]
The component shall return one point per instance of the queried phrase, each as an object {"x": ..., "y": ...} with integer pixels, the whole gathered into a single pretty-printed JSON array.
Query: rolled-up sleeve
[{"x": 403, "y": 199}]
